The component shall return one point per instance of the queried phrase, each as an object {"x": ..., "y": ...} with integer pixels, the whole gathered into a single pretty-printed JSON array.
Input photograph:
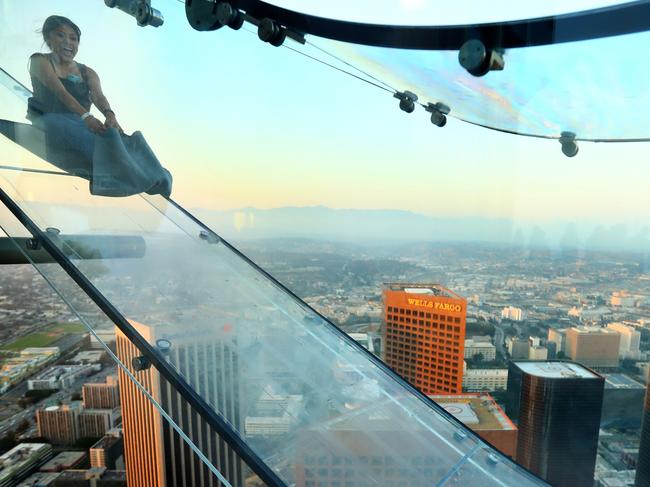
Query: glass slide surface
[
  {"x": 306, "y": 399},
  {"x": 300, "y": 393}
]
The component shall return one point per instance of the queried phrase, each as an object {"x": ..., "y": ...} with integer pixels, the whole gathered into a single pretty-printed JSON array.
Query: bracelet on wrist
[
  {"x": 109, "y": 111},
  {"x": 85, "y": 116}
]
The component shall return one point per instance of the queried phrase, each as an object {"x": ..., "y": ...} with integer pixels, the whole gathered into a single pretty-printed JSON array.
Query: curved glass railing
[
  {"x": 549, "y": 79},
  {"x": 392, "y": 12}
]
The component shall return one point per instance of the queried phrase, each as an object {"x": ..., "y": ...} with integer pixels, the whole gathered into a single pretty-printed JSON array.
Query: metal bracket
[
  {"x": 140, "y": 363},
  {"x": 209, "y": 237},
  {"x": 141, "y": 10},
  {"x": 568, "y": 142},
  {"x": 478, "y": 59},
  {"x": 407, "y": 100},
  {"x": 439, "y": 112}
]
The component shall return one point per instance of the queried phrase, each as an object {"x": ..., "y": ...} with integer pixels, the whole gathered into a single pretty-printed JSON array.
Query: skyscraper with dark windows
[
  {"x": 424, "y": 326},
  {"x": 558, "y": 405},
  {"x": 643, "y": 464},
  {"x": 155, "y": 454}
]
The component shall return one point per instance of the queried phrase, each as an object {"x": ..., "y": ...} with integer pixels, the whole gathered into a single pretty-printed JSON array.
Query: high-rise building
[
  {"x": 643, "y": 463},
  {"x": 512, "y": 313},
  {"x": 558, "y": 405},
  {"x": 593, "y": 346},
  {"x": 630, "y": 340},
  {"x": 94, "y": 423},
  {"x": 425, "y": 335},
  {"x": 537, "y": 353},
  {"x": 484, "y": 416},
  {"x": 154, "y": 453},
  {"x": 622, "y": 402},
  {"x": 59, "y": 424},
  {"x": 518, "y": 348},
  {"x": 558, "y": 337},
  {"x": 101, "y": 395}
]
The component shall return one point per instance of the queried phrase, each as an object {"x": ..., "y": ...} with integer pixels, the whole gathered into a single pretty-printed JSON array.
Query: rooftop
[
  {"x": 478, "y": 411},
  {"x": 594, "y": 330},
  {"x": 63, "y": 460},
  {"x": 423, "y": 289},
  {"x": 106, "y": 441},
  {"x": 38, "y": 479},
  {"x": 556, "y": 370},
  {"x": 621, "y": 381}
]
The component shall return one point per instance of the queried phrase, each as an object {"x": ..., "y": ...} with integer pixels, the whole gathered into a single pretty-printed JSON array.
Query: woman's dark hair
[{"x": 53, "y": 22}]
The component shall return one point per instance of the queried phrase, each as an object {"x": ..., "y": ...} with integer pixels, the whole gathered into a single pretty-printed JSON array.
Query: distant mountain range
[{"x": 395, "y": 226}]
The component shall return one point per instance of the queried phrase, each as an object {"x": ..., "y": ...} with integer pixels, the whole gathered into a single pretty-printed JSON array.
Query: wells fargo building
[{"x": 424, "y": 330}]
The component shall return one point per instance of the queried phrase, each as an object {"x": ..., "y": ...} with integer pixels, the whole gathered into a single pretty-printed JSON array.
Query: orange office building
[{"x": 424, "y": 326}]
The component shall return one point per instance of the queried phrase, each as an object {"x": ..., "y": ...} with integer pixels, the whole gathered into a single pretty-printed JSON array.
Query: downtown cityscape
[
  {"x": 363, "y": 244},
  {"x": 512, "y": 313}
]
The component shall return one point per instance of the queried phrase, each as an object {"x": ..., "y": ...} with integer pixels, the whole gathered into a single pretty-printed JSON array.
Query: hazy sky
[{"x": 243, "y": 124}]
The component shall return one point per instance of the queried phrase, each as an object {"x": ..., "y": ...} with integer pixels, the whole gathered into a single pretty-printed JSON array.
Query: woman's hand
[
  {"x": 111, "y": 122},
  {"x": 94, "y": 125}
]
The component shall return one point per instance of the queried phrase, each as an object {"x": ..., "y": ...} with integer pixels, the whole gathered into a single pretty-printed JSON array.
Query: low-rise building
[
  {"x": 93, "y": 477},
  {"x": 485, "y": 379},
  {"x": 486, "y": 349},
  {"x": 20, "y": 461},
  {"x": 370, "y": 342},
  {"x": 39, "y": 479},
  {"x": 60, "y": 376},
  {"x": 273, "y": 414},
  {"x": 88, "y": 357},
  {"x": 64, "y": 461},
  {"x": 483, "y": 415}
]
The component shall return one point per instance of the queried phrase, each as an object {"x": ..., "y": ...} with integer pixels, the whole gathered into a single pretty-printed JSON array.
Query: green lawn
[{"x": 46, "y": 336}]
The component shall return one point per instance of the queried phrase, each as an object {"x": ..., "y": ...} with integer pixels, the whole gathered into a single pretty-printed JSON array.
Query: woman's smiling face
[{"x": 64, "y": 42}]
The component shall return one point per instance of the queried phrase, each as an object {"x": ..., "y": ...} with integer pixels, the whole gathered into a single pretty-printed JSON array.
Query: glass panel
[
  {"x": 287, "y": 381},
  {"x": 481, "y": 462},
  {"x": 153, "y": 439},
  {"x": 543, "y": 91}
]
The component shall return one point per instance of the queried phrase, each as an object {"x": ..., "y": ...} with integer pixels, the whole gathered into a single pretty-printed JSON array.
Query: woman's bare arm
[
  {"x": 41, "y": 69},
  {"x": 99, "y": 99}
]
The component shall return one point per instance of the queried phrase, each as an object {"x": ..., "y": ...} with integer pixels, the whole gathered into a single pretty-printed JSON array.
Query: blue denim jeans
[{"x": 70, "y": 144}]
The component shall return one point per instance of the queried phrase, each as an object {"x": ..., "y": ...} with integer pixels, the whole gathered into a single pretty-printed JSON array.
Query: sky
[{"x": 241, "y": 124}]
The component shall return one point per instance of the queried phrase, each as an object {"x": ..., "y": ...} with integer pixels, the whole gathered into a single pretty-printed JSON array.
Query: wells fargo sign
[{"x": 423, "y": 303}]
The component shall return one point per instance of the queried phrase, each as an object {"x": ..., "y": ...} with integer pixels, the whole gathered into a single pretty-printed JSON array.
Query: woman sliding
[{"x": 76, "y": 141}]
